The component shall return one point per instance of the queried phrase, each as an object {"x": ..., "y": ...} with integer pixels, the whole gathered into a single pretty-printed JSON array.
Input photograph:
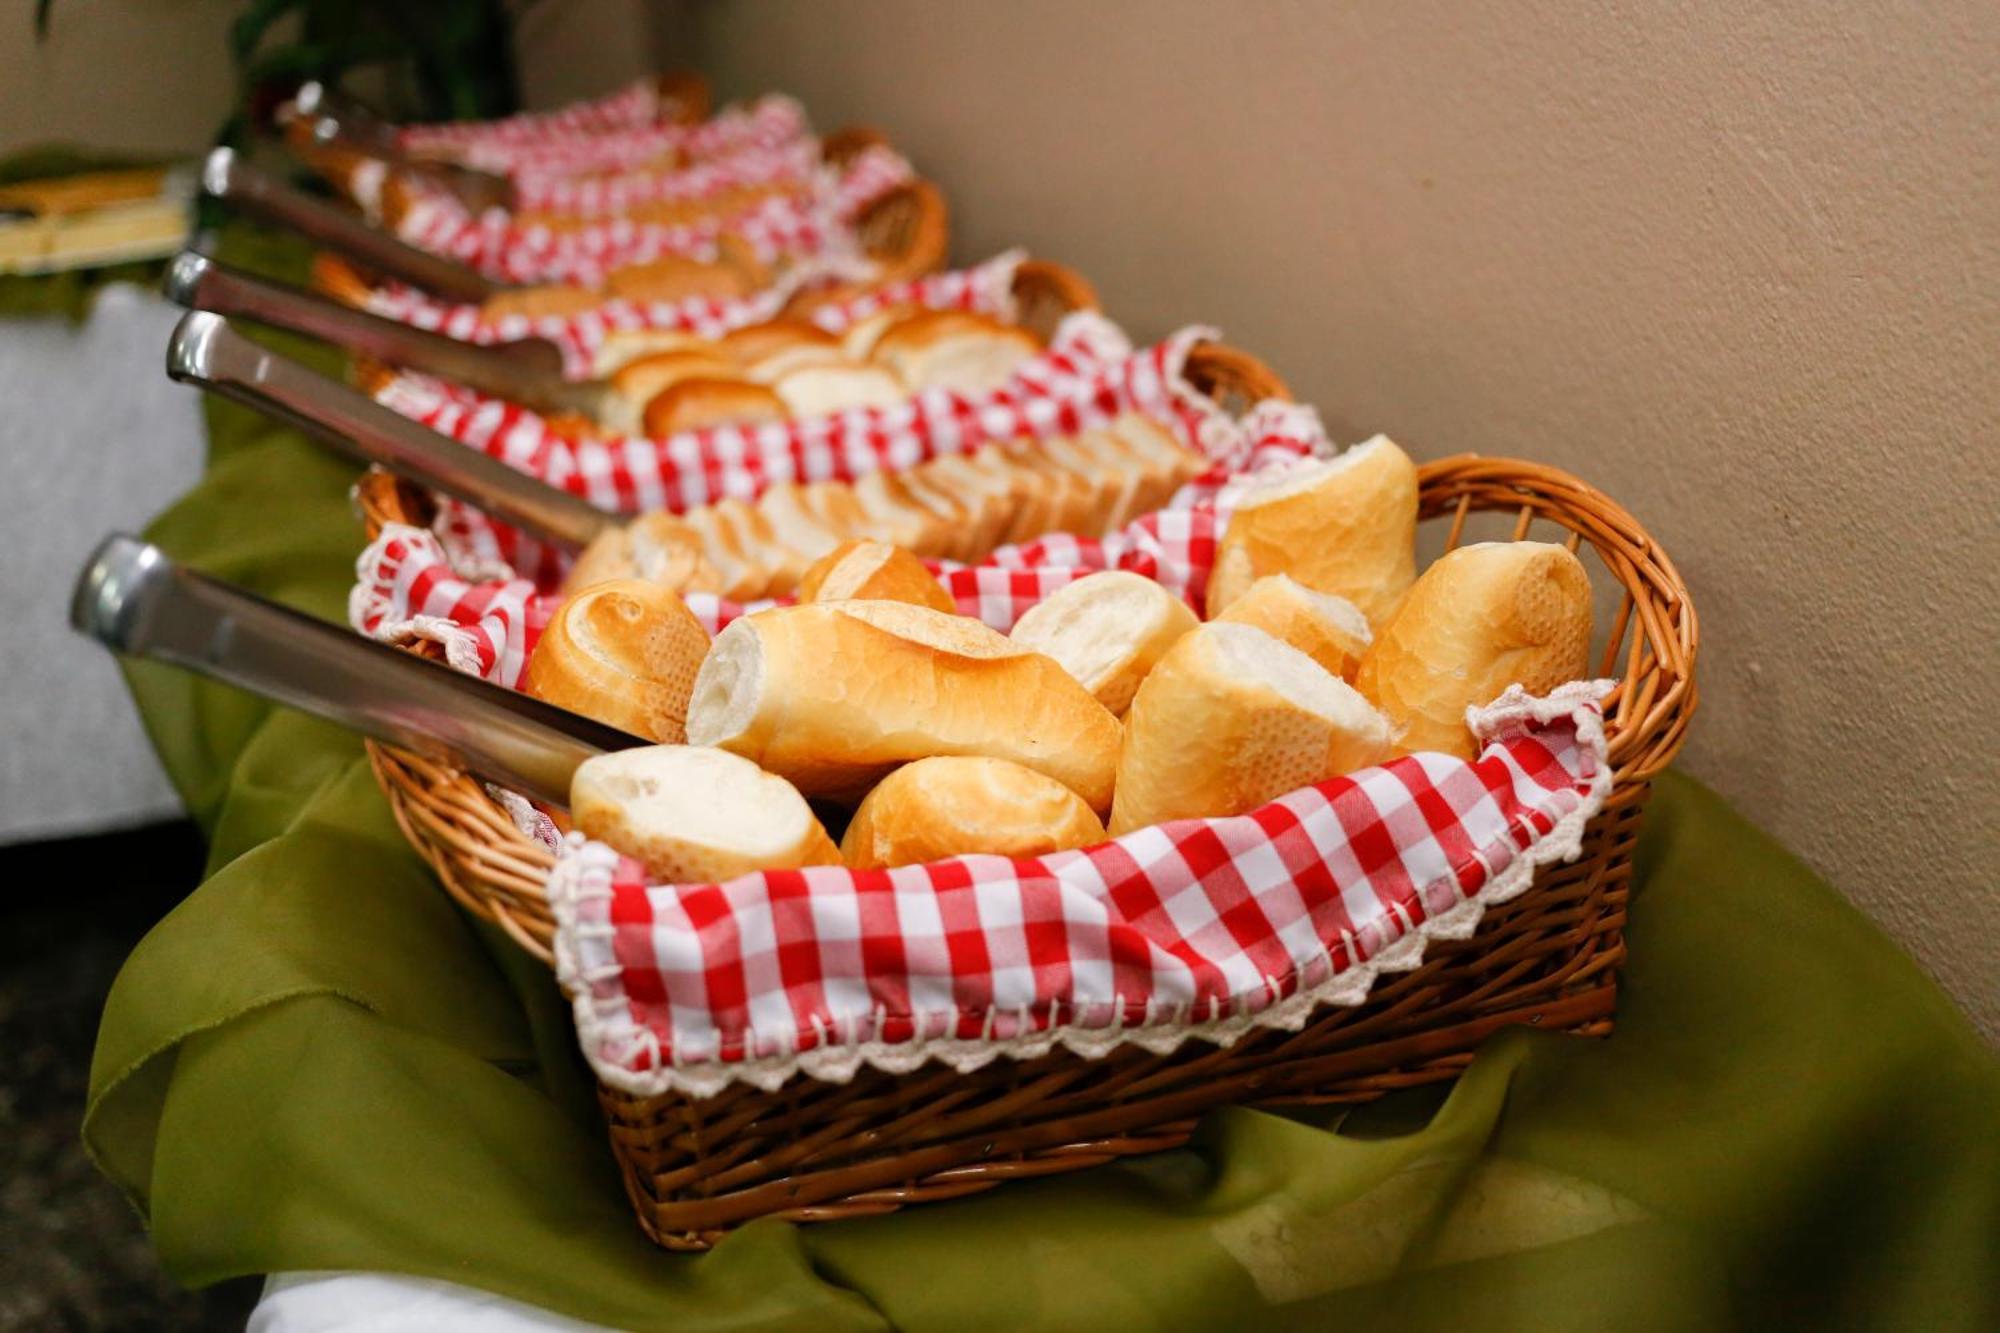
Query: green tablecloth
[{"x": 317, "y": 1063}]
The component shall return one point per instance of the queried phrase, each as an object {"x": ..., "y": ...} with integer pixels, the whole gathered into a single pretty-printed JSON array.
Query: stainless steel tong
[
  {"x": 333, "y": 119},
  {"x": 226, "y": 176},
  {"x": 206, "y": 351},
  {"x": 133, "y": 599},
  {"x": 526, "y": 370}
]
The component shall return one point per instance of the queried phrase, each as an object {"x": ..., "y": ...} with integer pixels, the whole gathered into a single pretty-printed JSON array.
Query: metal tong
[
  {"x": 206, "y": 351},
  {"x": 526, "y": 370},
  {"x": 133, "y": 599},
  {"x": 334, "y": 119},
  {"x": 226, "y": 176}
]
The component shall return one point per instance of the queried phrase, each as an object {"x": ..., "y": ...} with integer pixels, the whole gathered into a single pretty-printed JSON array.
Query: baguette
[
  {"x": 691, "y": 404},
  {"x": 1482, "y": 618},
  {"x": 624, "y": 652},
  {"x": 1107, "y": 630},
  {"x": 1346, "y": 525},
  {"x": 696, "y": 816},
  {"x": 832, "y": 696},
  {"x": 1330, "y": 630},
  {"x": 955, "y": 805},
  {"x": 867, "y": 570},
  {"x": 658, "y": 548},
  {"x": 1232, "y": 718}
]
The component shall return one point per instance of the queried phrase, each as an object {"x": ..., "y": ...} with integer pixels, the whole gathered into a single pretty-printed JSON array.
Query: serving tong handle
[
  {"x": 228, "y": 177},
  {"x": 336, "y": 119},
  {"x": 523, "y": 369},
  {"x": 132, "y": 598},
  {"x": 205, "y": 350}
]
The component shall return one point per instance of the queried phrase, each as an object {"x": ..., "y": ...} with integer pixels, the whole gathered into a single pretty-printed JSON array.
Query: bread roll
[
  {"x": 821, "y": 389},
  {"x": 1345, "y": 525},
  {"x": 869, "y": 570},
  {"x": 621, "y": 346},
  {"x": 1482, "y": 618},
  {"x": 625, "y": 653},
  {"x": 1232, "y": 718},
  {"x": 1107, "y": 630},
  {"x": 955, "y": 805},
  {"x": 696, "y": 816},
  {"x": 953, "y": 349},
  {"x": 658, "y": 548},
  {"x": 862, "y": 335},
  {"x": 1330, "y": 630},
  {"x": 644, "y": 378},
  {"x": 694, "y": 403},
  {"x": 754, "y": 342},
  {"x": 540, "y": 302},
  {"x": 674, "y": 278},
  {"x": 832, "y": 696}
]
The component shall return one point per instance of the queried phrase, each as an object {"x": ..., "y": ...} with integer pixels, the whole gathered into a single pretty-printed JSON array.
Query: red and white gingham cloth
[
  {"x": 620, "y": 131},
  {"x": 1194, "y": 928},
  {"x": 779, "y": 228},
  {"x": 1085, "y": 378},
  {"x": 986, "y": 288}
]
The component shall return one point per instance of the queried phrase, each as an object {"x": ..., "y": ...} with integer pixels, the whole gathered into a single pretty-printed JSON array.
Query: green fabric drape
[{"x": 316, "y": 1062}]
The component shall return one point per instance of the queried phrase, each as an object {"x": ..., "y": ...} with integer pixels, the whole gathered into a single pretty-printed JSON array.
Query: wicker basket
[{"x": 813, "y": 1151}]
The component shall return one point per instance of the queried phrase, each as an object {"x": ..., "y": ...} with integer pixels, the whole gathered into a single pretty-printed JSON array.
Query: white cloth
[
  {"x": 94, "y": 437},
  {"x": 380, "y": 1303}
]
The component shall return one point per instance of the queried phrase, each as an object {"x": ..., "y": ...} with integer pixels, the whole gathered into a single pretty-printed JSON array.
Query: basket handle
[
  {"x": 205, "y": 350},
  {"x": 133, "y": 599},
  {"x": 227, "y": 177},
  {"x": 520, "y": 369}
]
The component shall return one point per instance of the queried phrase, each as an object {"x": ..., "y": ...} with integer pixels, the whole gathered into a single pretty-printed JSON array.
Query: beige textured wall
[
  {"x": 1734, "y": 262},
  {"x": 155, "y": 76}
]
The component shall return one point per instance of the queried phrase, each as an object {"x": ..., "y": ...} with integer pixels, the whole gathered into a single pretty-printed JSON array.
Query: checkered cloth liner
[
  {"x": 779, "y": 228},
  {"x": 1196, "y": 928},
  {"x": 1085, "y": 378},
  {"x": 987, "y": 288},
  {"x": 620, "y": 132},
  {"x": 792, "y": 164}
]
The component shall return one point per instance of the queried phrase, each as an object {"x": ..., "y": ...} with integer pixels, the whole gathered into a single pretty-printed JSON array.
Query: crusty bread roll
[
  {"x": 1232, "y": 718},
  {"x": 625, "y": 653},
  {"x": 674, "y": 278},
  {"x": 953, "y": 349},
  {"x": 692, "y": 815},
  {"x": 658, "y": 548},
  {"x": 1482, "y": 618},
  {"x": 643, "y": 378},
  {"x": 1345, "y": 525},
  {"x": 798, "y": 356},
  {"x": 540, "y": 302},
  {"x": 692, "y": 404},
  {"x": 862, "y": 335},
  {"x": 754, "y": 342},
  {"x": 620, "y": 346},
  {"x": 834, "y": 695},
  {"x": 1107, "y": 630},
  {"x": 1330, "y": 630},
  {"x": 958, "y": 805},
  {"x": 818, "y": 389},
  {"x": 868, "y": 570}
]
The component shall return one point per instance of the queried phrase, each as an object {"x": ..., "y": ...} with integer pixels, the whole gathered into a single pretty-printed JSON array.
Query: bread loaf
[
  {"x": 1232, "y": 718},
  {"x": 693, "y": 403},
  {"x": 692, "y": 815},
  {"x": 625, "y": 653},
  {"x": 868, "y": 570},
  {"x": 956, "y": 805},
  {"x": 1330, "y": 630},
  {"x": 1107, "y": 630},
  {"x": 832, "y": 696},
  {"x": 1345, "y": 525},
  {"x": 1480, "y": 619}
]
